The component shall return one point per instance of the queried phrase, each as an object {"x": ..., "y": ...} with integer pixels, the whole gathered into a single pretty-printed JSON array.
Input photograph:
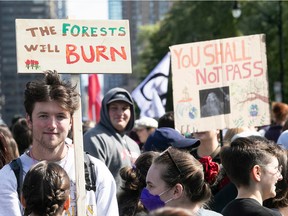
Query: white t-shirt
[{"x": 104, "y": 197}]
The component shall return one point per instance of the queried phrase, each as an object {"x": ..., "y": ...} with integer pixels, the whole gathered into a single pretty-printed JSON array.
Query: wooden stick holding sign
[
  {"x": 70, "y": 46},
  {"x": 78, "y": 153}
]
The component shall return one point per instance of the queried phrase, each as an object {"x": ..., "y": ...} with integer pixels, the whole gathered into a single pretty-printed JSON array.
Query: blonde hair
[{"x": 230, "y": 133}]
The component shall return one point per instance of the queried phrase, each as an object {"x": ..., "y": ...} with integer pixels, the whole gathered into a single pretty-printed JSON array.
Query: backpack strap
[
  {"x": 16, "y": 166},
  {"x": 90, "y": 175}
]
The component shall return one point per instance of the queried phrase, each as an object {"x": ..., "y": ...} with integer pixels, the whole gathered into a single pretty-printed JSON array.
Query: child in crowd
[{"x": 46, "y": 190}]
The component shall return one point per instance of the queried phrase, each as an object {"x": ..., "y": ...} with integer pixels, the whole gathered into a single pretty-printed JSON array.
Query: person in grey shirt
[{"x": 108, "y": 140}]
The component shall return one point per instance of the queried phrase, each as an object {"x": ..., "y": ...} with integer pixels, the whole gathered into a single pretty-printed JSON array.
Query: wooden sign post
[{"x": 75, "y": 47}]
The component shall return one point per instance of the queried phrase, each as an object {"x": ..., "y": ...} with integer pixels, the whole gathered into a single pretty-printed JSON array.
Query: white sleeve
[
  {"x": 106, "y": 199},
  {"x": 9, "y": 201}
]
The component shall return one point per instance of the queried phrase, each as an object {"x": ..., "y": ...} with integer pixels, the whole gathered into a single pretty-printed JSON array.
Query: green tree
[
  {"x": 263, "y": 17},
  {"x": 188, "y": 22}
]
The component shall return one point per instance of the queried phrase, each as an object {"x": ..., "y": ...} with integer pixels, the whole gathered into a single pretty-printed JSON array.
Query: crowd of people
[{"x": 141, "y": 166}]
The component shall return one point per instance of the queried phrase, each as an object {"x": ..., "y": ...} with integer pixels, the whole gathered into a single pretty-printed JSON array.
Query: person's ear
[
  {"x": 23, "y": 201},
  {"x": 178, "y": 191},
  {"x": 67, "y": 204},
  {"x": 29, "y": 121},
  {"x": 256, "y": 173}
]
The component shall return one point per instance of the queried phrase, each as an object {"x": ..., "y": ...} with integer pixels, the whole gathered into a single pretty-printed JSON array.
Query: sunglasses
[{"x": 167, "y": 151}]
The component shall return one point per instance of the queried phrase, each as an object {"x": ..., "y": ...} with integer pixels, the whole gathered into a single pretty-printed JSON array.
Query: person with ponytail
[
  {"x": 46, "y": 190},
  {"x": 176, "y": 179},
  {"x": 133, "y": 182}
]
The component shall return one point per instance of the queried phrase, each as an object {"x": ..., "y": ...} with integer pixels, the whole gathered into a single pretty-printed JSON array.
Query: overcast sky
[{"x": 88, "y": 9}]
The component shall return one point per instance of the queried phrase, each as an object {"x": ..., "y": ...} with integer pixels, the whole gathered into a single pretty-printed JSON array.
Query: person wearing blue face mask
[{"x": 176, "y": 179}]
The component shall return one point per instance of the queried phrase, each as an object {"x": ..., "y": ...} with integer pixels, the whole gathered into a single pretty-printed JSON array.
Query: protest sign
[
  {"x": 72, "y": 46},
  {"x": 220, "y": 84},
  {"x": 75, "y": 47}
]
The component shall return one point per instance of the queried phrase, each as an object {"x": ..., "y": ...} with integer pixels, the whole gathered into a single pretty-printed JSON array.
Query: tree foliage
[
  {"x": 263, "y": 17},
  {"x": 192, "y": 21}
]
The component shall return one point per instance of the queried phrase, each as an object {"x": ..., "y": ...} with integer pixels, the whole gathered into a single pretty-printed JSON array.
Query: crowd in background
[{"x": 159, "y": 171}]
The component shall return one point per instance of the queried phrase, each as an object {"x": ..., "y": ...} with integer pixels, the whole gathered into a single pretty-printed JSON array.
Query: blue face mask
[{"x": 150, "y": 201}]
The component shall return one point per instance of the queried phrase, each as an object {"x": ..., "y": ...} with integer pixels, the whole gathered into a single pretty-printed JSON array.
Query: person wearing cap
[
  {"x": 108, "y": 140},
  {"x": 144, "y": 127},
  {"x": 164, "y": 137}
]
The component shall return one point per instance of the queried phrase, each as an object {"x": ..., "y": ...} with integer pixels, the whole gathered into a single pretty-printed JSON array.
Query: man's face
[
  {"x": 212, "y": 98},
  {"x": 50, "y": 124},
  {"x": 119, "y": 114}
]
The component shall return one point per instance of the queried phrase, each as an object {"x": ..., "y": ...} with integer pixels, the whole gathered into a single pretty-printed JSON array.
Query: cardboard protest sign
[
  {"x": 220, "y": 84},
  {"x": 73, "y": 46}
]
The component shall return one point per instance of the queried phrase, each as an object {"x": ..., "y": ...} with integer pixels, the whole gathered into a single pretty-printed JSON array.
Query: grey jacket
[{"x": 105, "y": 143}]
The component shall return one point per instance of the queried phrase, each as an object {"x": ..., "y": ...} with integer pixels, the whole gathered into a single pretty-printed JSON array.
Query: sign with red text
[
  {"x": 73, "y": 46},
  {"x": 220, "y": 84}
]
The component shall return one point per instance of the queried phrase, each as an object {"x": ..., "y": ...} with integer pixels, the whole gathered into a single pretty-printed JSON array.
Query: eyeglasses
[
  {"x": 280, "y": 168},
  {"x": 171, "y": 158},
  {"x": 278, "y": 172}
]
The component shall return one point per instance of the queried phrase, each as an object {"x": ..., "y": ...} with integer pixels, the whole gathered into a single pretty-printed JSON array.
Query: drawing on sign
[
  {"x": 185, "y": 106},
  {"x": 32, "y": 64},
  {"x": 214, "y": 101}
]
